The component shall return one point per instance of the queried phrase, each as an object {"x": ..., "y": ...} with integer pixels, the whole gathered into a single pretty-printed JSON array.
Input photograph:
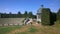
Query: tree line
[{"x": 18, "y": 15}]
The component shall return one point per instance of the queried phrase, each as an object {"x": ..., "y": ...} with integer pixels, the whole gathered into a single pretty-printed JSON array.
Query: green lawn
[{"x": 4, "y": 30}]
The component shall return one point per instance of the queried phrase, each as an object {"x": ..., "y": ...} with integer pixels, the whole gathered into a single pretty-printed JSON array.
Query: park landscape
[
  {"x": 40, "y": 28},
  {"x": 29, "y": 17},
  {"x": 50, "y": 23}
]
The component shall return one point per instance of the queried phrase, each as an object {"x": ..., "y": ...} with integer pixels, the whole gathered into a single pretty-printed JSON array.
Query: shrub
[{"x": 45, "y": 17}]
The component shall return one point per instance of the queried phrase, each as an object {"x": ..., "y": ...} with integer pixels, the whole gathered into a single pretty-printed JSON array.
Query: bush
[
  {"x": 58, "y": 15},
  {"x": 45, "y": 17}
]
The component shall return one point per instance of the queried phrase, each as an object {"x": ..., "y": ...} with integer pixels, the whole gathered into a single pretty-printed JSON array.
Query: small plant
[
  {"x": 32, "y": 30},
  {"x": 21, "y": 33}
]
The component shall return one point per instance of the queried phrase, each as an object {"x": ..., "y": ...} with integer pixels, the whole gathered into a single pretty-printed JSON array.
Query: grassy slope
[
  {"x": 4, "y": 30},
  {"x": 31, "y": 29}
]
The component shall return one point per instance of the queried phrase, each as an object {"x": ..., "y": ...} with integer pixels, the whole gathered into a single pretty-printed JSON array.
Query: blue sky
[{"x": 14, "y": 6}]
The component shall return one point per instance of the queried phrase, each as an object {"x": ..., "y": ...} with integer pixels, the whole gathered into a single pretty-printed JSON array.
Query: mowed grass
[{"x": 5, "y": 30}]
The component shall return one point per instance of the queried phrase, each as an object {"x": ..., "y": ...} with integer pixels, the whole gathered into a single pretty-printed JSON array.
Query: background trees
[
  {"x": 18, "y": 15},
  {"x": 52, "y": 18},
  {"x": 58, "y": 15},
  {"x": 25, "y": 14},
  {"x": 30, "y": 15}
]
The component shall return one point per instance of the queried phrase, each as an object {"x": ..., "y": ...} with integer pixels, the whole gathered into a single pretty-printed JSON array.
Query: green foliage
[
  {"x": 10, "y": 13},
  {"x": 25, "y": 14},
  {"x": 52, "y": 18},
  {"x": 57, "y": 22},
  {"x": 30, "y": 14},
  {"x": 18, "y": 15},
  {"x": 19, "y": 12},
  {"x": 45, "y": 17},
  {"x": 58, "y": 15}
]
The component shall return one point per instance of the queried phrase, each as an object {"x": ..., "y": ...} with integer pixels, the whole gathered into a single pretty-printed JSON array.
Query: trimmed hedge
[{"x": 45, "y": 16}]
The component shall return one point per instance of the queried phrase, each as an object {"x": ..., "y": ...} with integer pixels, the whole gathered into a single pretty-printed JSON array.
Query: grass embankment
[
  {"x": 5, "y": 30},
  {"x": 41, "y": 30},
  {"x": 31, "y": 29}
]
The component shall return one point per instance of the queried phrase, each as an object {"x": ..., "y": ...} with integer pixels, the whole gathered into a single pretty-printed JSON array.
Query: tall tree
[
  {"x": 19, "y": 12},
  {"x": 52, "y": 18},
  {"x": 30, "y": 14},
  {"x": 25, "y": 14},
  {"x": 10, "y": 13}
]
